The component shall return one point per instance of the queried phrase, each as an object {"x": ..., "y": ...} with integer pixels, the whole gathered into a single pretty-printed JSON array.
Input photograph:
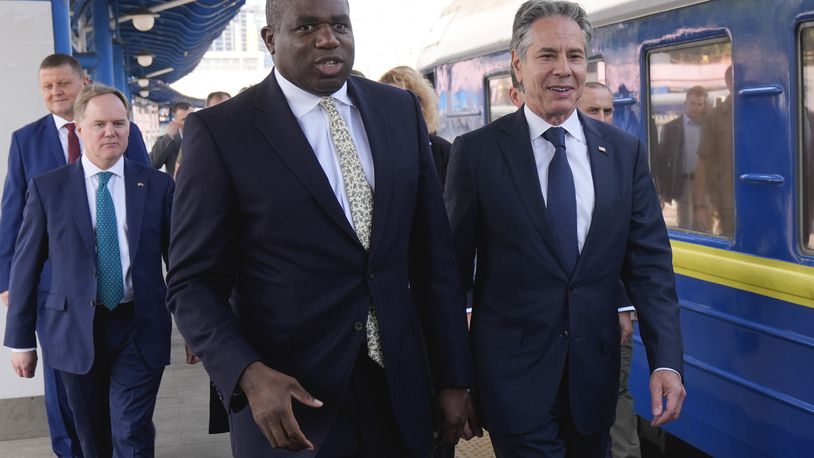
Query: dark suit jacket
[
  {"x": 440, "y": 148},
  {"x": 670, "y": 172},
  {"x": 35, "y": 149},
  {"x": 530, "y": 315},
  {"x": 256, "y": 219},
  {"x": 165, "y": 152},
  {"x": 57, "y": 226}
]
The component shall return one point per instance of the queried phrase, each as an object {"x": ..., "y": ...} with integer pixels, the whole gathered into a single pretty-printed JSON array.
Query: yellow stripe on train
[{"x": 769, "y": 277}]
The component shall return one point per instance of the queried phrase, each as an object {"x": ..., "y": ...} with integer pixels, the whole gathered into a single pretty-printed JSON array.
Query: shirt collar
[
  {"x": 60, "y": 121},
  {"x": 690, "y": 122},
  {"x": 91, "y": 169},
  {"x": 302, "y": 102},
  {"x": 537, "y": 125}
]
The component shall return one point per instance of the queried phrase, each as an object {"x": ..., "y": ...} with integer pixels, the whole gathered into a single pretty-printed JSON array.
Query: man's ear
[
  {"x": 268, "y": 38},
  {"x": 516, "y": 65}
]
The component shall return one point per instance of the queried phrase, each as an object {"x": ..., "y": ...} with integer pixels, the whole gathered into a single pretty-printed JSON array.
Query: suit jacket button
[
  {"x": 564, "y": 334},
  {"x": 370, "y": 274},
  {"x": 90, "y": 301},
  {"x": 358, "y": 326}
]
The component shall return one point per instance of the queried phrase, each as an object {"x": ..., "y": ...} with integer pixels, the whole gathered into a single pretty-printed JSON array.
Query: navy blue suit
[
  {"x": 36, "y": 149},
  {"x": 535, "y": 324},
  {"x": 257, "y": 219},
  {"x": 57, "y": 227}
]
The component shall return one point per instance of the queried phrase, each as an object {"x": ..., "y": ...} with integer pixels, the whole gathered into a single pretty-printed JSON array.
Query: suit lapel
[
  {"x": 77, "y": 196},
  {"x": 135, "y": 193},
  {"x": 52, "y": 140},
  {"x": 516, "y": 148},
  {"x": 376, "y": 125},
  {"x": 601, "y": 157},
  {"x": 278, "y": 125}
]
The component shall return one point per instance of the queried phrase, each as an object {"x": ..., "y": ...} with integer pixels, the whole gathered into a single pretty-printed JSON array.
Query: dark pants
[
  {"x": 64, "y": 441},
  {"x": 113, "y": 403},
  {"x": 365, "y": 425},
  {"x": 556, "y": 437}
]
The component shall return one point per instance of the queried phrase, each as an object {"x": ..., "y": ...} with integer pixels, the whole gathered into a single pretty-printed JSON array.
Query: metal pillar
[
  {"x": 102, "y": 43},
  {"x": 119, "y": 77},
  {"x": 61, "y": 17}
]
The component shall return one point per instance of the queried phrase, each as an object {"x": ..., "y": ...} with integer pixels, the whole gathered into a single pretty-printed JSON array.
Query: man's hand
[
  {"x": 456, "y": 416},
  {"x": 666, "y": 384},
  {"x": 191, "y": 358},
  {"x": 24, "y": 363},
  {"x": 4, "y": 298},
  {"x": 626, "y": 326},
  {"x": 172, "y": 129},
  {"x": 269, "y": 393}
]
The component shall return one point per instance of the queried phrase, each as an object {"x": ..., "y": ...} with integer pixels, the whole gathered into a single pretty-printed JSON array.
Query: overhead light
[
  {"x": 143, "y": 82},
  {"x": 144, "y": 59},
  {"x": 143, "y": 19},
  {"x": 144, "y": 93}
]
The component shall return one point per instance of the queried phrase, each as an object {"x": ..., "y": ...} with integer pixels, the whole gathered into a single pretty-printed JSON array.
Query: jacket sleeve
[
  {"x": 434, "y": 279},
  {"x": 29, "y": 257},
  {"x": 202, "y": 266},
  {"x": 648, "y": 273},
  {"x": 161, "y": 151},
  {"x": 11, "y": 214}
]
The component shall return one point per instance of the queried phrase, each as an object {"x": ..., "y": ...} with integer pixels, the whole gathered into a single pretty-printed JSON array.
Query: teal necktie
[{"x": 109, "y": 287}]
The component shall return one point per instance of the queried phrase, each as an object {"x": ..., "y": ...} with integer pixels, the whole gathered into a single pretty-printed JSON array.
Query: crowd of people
[{"x": 322, "y": 246}]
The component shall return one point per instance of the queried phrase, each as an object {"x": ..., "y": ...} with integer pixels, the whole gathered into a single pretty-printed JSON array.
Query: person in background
[
  {"x": 679, "y": 146},
  {"x": 558, "y": 208},
  {"x": 212, "y": 99},
  {"x": 44, "y": 145},
  {"x": 311, "y": 263},
  {"x": 597, "y": 102},
  {"x": 167, "y": 147},
  {"x": 103, "y": 223},
  {"x": 409, "y": 79}
]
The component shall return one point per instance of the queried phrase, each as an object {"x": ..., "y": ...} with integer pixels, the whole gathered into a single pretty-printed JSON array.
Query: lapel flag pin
[
  {"x": 140, "y": 184},
  {"x": 602, "y": 149}
]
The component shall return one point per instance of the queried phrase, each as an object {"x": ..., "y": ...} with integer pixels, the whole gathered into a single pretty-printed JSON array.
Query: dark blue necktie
[
  {"x": 109, "y": 287},
  {"x": 562, "y": 200}
]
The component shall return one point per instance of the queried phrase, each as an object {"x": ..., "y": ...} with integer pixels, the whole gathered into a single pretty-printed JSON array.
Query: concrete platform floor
[{"x": 181, "y": 420}]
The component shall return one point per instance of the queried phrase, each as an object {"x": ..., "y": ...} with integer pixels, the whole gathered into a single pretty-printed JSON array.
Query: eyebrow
[{"x": 313, "y": 19}]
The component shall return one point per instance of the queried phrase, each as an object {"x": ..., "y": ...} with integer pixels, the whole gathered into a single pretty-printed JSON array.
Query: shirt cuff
[
  {"x": 21, "y": 350},
  {"x": 627, "y": 308},
  {"x": 469, "y": 310},
  {"x": 667, "y": 369}
]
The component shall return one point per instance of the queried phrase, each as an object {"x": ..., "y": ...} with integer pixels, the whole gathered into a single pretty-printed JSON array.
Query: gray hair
[
  {"x": 95, "y": 90},
  {"x": 532, "y": 10}
]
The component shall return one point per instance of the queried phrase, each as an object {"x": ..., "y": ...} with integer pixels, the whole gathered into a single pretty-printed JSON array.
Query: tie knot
[
  {"x": 328, "y": 103},
  {"x": 104, "y": 177},
  {"x": 71, "y": 127},
  {"x": 555, "y": 136}
]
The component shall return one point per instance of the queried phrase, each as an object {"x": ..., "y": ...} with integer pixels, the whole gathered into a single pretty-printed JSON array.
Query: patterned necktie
[
  {"x": 73, "y": 143},
  {"x": 360, "y": 198},
  {"x": 562, "y": 200},
  {"x": 109, "y": 287}
]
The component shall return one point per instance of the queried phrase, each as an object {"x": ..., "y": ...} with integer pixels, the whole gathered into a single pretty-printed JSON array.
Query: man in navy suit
[
  {"x": 44, "y": 145},
  {"x": 558, "y": 207},
  {"x": 309, "y": 202},
  {"x": 103, "y": 224}
]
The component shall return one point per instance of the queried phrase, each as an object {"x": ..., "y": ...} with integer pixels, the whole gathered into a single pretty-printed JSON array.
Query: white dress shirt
[
  {"x": 576, "y": 149},
  {"x": 117, "y": 193},
  {"x": 313, "y": 121},
  {"x": 63, "y": 134}
]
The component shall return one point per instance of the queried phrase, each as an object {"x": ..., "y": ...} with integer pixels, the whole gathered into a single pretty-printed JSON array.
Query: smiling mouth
[{"x": 560, "y": 90}]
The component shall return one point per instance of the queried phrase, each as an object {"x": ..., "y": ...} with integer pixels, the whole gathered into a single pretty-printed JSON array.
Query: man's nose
[
  {"x": 326, "y": 37},
  {"x": 561, "y": 66}
]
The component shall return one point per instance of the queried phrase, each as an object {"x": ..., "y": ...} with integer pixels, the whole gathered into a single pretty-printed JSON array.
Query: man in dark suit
[
  {"x": 559, "y": 207},
  {"x": 103, "y": 223},
  {"x": 310, "y": 203},
  {"x": 679, "y": 147},
  {"x": 44, "y": 145},
  {"x": 166, "y": 148}
]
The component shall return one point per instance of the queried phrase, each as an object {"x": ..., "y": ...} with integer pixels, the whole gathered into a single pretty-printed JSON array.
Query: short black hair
[
  {"x": 58, "y": 60},
  {"x": 180, "y": 106}
]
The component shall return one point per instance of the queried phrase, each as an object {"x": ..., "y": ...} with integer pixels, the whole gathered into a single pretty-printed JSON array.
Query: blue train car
[{"x": 743, "y": 245}]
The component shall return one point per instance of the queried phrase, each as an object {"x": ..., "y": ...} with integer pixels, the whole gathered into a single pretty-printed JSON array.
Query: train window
[
  {"x": 807, "y": 130},
  {"x": 691, "y": 154},
  {"x": 500, "y": 101}
]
